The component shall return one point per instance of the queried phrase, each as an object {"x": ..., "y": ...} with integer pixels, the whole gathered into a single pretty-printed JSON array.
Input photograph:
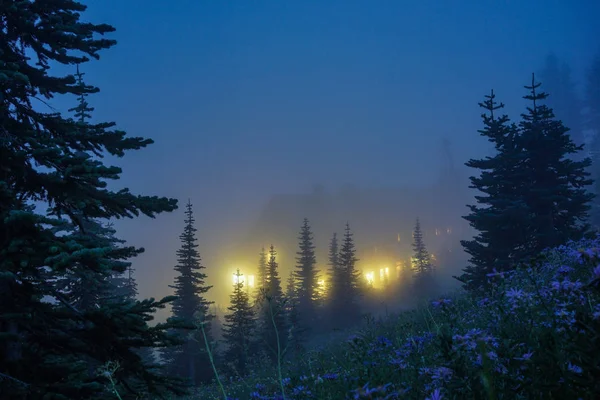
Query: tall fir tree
[
  {"x": 239, "y": 328},
  {"x": 536, "y": 191},
  {"x": 556, "y": 193},
  {"x": 296, "y": 331},
  {"x": 191, "y": 360},
  {"x": 261, "y": 276},
  {"x": 49, "y": 158},
  {"x": 345, "y": 300},
  {"x": 423, "y": 276},
  {"x": 272, "y": 311},
  {"x": 307, "y": 282},
  {"x": 501, "y": 209},
  {"x": 333, "y": 260}
]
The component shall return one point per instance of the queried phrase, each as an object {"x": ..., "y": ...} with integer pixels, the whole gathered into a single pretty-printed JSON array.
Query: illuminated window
[
  {"x": 381, "y": 274},
  {"x": 448, "y": 230},
  {"x": 370, "y": 276},
  {"x": 251, "y": 280},
  {"x": 437, "y": 232}
]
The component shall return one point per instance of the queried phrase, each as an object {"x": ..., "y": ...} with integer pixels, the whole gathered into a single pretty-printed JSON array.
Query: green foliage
[
  {"x": 49, "y": 343},
  {"x": 534, "y": 193}
]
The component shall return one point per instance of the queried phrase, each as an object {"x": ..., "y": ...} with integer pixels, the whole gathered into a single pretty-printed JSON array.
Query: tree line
[{"x": 272, "y": 323}]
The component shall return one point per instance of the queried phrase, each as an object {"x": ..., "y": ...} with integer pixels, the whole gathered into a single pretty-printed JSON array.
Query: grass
[{"x": 537, "y": 336}]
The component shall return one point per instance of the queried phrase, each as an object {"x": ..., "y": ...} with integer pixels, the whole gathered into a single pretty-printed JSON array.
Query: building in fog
[{"x": 382, "y": 220}]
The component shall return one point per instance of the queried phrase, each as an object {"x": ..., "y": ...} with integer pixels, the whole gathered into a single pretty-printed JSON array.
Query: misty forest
[{"x": 365, "y": 200}]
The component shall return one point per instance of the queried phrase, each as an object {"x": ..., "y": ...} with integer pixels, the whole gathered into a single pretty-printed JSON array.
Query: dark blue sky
[{"x": 249, "y": 98}]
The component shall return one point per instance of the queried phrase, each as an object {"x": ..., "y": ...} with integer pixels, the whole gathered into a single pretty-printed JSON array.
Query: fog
[{"x": 364, "y": 112}]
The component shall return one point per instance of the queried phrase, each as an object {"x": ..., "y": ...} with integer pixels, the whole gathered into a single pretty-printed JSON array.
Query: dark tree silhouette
[
  {"x": 344, "y": 302},
  {"x": 501, "y": 208},
  {"x": 239, "y": 328},
  {"x": 272, "y": 318},
  {"x": 261, "y": 277},
  {"x": 423, "y": 276},
  {"x": 190, "y": 360},
  {"x": 47, "y": 157},
  {"x": 306, "y": 280}
]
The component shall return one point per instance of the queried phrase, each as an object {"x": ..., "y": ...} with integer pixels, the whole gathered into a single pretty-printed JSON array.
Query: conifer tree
[
  {"x": 272, "y": 312},
  {"x": 306, "y": 278},
  {"x": 239, "y": 328},
  {"x": 295, "y": 329},
  {"x": 47, "y": 157},
  {"x": 536, "y": 191},
  {"x": 501, "y": 211},
  {"x": 334, "y": 264},
  {"x": 344, "y": 302},
  {"x": 424, "y": 283},
  {"x": 190, "y": 360},
  {"x": 261, "y": 276},
  {"x": 556, "y": 193}
]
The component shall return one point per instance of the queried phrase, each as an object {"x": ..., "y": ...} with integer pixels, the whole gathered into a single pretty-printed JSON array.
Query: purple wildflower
[{"x": 435, "y": 395}]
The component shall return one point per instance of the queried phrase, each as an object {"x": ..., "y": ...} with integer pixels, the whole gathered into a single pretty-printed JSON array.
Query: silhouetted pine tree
[
  {"x": 306, "y": 279},
  {"x": 537, "y": 194},
  {"x": 296, "y": 332},
  {"x": 273, "y": 327},
  {"x": 82, "y": 286},
  {"x": 261, "y": 276},
  {"x": 333, "y": 262},
  {"x": 501, "y": 211},
  {"x": 239, "y": 327},
  {"x": 423, "y": 276},
  {"x": 46, "y": 341},
  {"x": 346, "y": 300},
  {"x": 190, "y": 360},
  {"x": 556, "y": 191}
]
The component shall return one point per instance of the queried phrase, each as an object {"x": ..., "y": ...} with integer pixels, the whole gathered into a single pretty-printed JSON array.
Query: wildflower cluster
[{"x": 536, "y": 336}]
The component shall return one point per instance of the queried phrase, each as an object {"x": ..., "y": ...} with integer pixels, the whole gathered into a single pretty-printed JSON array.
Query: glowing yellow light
[
  {"x": 370, "y": 276},
  {"x": 238, "y": 278},
  {"x": 387, "y": 272},
  {"x": 381, "y": 273},
  {"x": 321, "y": 283},
  {"x": 251, "y": 281}
]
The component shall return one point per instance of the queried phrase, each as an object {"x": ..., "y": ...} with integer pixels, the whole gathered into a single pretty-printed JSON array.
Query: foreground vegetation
[{"x": 536, "y": 336}]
